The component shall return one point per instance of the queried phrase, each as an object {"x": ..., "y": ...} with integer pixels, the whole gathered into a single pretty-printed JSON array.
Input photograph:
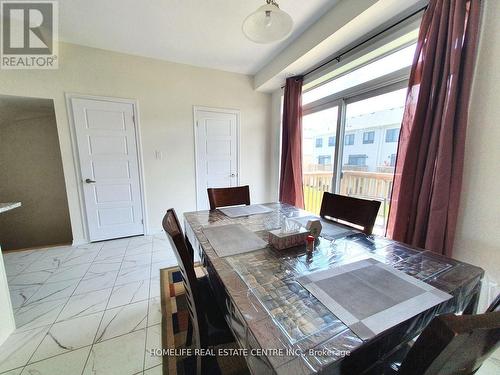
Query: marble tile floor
[{"x": 92, "y": 309}]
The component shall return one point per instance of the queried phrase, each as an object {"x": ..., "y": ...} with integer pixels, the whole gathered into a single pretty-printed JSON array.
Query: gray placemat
[
  {"x": 233, "y": 239},
  {"x": 329, "y": 230},
  {"x": 240, "y": 211},
  {"x": 371, "y": 297}
]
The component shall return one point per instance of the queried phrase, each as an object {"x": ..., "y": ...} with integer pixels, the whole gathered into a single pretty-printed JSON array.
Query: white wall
[
  {"x": 478, "y": 231},
  {"x": 166, "y": 93}
]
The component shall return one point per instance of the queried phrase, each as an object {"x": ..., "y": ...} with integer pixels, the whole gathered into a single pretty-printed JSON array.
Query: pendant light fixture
[{"x": 267, "y": 24}]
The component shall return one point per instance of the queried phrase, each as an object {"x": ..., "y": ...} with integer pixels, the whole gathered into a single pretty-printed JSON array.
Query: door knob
[
  {"x": 89, "y": 181},
  {"x": 232, "y": 175}
]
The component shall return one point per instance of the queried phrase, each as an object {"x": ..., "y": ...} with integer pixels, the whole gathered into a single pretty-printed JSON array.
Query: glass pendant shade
[{"x": 267, "y": 24}]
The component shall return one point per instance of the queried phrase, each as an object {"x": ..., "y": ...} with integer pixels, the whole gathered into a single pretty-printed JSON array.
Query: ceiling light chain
[{"x": 272, "y": 2}]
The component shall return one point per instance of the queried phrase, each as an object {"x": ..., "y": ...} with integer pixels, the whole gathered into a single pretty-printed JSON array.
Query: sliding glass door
[
  {"x": 370, "y": 144},
  {"x": 349, "y": 147},
  {"x": 319, "y": 139},
  {"x": 351, "y": 123}
]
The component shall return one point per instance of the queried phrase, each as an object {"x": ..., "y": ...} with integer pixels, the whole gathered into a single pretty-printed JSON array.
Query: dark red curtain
[
  {"x": 429, "y": 165},
  {"x": 291, "y": 191}
]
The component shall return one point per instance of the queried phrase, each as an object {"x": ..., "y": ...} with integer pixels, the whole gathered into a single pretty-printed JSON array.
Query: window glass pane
[
  {"x": 392, "y": 135},
  {"x": 357, "y": 160},
  {"x": 406, "y": 39},
  {"x": 368, "y": 165},
  {"x": 324, "y": 159},
  {"x": 368, "y": 137},
  {"x": 349, "y": 139},
  {"x": 317, "y": 161},
  {"x": 390, "y": 63}
]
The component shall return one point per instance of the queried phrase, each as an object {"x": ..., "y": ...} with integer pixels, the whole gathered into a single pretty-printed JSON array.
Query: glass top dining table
[{"x": 283, "y": 326}]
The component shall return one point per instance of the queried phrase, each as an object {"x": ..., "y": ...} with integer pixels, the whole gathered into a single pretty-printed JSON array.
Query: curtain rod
[{"x": 338, "y": 57}]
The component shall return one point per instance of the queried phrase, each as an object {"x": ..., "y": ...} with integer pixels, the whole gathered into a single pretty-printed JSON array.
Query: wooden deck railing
[
  {"x": 315, "y": 183},
  {"x": 368, "y": 185}
]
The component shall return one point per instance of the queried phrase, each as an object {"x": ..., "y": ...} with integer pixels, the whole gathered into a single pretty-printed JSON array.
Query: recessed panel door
[{"x": 107, "y": 149}]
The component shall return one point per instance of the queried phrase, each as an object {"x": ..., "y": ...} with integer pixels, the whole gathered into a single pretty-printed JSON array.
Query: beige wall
[
  {"x": 478, "y": 231},
  {"x": 166, "y": 93},
  {"x": 276, "y": 98},
  {"x": 32, "y": 174}
]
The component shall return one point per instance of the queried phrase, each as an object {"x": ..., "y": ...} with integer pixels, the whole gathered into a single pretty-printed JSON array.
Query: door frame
[
  {"x": 236, "y": 112},
  {"x": 76, "y": 158},
  {"x": 346, "y": 97}
]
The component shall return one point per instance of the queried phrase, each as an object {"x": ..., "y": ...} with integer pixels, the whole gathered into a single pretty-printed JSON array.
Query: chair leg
[
  {"x": 189, "y": 335},
  {"x": 473, "y": 304}
]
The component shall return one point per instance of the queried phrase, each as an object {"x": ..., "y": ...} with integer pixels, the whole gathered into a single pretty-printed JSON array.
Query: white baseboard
[
  {"x": 153, "y": 231},
  {"x": 80, "y": 241}
]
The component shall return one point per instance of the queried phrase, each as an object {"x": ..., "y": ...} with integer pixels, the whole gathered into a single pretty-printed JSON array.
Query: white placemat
[
  {"x": 371, "y": 297},
  {"x": 233, "y": 239},
  {"x": 240, "y": 211}
]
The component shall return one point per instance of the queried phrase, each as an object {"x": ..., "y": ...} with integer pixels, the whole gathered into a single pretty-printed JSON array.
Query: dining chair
[
  {"x": 449, "y": 345},
  {"x": 356, "y": 211},
  {"x": 231, "y": 196},
  {"x": 495, "y": 305},
  {"x": 209, "y": 327}
]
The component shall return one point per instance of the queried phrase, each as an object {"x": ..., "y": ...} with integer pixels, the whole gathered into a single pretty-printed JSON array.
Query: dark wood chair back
[
  {"x": 495, "y": 305},
  {"x": 357, "y": 211},
  {"x": 196, "y": 311},
  {"x": 232, "y": 196},
  {"x": 453, "y": 345}
]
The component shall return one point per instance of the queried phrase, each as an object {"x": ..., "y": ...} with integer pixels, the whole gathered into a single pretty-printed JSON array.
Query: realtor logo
[{"x": 29, "y": 35}]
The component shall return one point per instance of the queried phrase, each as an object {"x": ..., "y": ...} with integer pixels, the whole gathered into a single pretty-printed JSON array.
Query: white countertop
[{"x": 4, "y": 207}]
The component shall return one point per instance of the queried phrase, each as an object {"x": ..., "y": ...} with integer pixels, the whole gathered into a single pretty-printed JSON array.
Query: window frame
[
  {"x": 384, "y": 84},
  {"x": 370, "y": 139},
  {"x": 351, "y": 54},
  {"x": 361, "y": 92}
]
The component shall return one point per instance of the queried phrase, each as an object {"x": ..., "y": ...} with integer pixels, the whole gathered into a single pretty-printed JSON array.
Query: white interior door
[
  {"x": 107, "y": 147},
  {"x": 217, "y": 151}
]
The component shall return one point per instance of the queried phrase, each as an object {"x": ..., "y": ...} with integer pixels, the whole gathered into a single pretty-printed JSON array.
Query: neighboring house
[{"x": 370, "y": 143}]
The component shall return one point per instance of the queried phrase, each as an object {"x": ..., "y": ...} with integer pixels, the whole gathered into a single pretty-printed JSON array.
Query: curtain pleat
[
  {"x": 429, "y": 166},
  {"x": 291, "y": 190}
]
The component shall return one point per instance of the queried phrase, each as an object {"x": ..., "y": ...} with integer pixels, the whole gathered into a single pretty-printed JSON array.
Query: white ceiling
[{"x": 204, "y": 33}]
